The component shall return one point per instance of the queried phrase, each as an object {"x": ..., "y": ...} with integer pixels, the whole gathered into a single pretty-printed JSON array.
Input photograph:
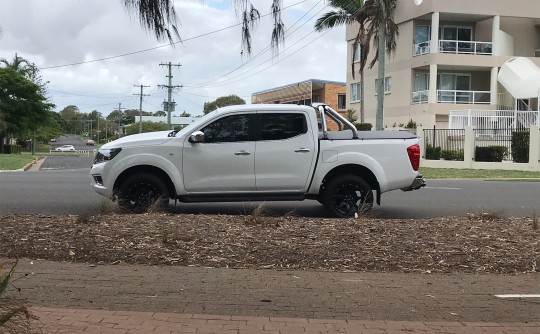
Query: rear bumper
[{"x": 418, "y": 183}]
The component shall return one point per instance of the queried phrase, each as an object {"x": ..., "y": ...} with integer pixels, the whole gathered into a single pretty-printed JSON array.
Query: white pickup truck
[{"x": 260, "y": 153}]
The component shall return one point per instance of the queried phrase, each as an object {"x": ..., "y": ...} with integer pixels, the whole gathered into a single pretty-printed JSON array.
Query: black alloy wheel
[
  {"x": 142, "y": 192},
  {"x": 347, "y": 195}
]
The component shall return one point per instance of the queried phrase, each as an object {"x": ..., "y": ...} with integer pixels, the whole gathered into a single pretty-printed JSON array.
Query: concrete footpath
[{"x": 84, "y": 298}]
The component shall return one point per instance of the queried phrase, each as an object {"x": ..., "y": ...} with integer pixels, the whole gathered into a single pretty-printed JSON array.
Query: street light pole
[{"x": 379, "y": 117}]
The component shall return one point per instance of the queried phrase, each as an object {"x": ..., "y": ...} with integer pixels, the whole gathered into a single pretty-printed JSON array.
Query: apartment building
[{"x": 447, "y": 60}]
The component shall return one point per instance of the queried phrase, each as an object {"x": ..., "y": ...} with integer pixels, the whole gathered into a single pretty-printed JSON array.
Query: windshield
[{"x": 191, "y": 127}]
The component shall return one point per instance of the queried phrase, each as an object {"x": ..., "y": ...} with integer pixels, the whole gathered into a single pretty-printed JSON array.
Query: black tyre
[
  {"x": 141, "y": 192},
  {"x": 346, "y": 195}
]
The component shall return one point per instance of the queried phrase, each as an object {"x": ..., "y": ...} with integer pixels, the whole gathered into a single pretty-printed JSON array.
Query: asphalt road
[{"x": 63, "y": 187}]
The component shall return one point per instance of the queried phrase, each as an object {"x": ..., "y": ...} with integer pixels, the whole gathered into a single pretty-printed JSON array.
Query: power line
[
  {"x": 265, "y": 50},
  {"x": 159, "y": 46}
]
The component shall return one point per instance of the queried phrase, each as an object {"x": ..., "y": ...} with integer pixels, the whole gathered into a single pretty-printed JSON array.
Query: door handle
[
  {"x": 302, "y": 150},
  {"x": 242, "y": 153}
]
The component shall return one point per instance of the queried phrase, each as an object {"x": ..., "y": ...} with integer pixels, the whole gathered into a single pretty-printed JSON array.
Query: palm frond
[{"x": 157, "y": 16}]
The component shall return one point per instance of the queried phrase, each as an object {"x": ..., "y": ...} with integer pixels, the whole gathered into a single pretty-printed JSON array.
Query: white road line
[
  {"x": 517, "y": 296},
  {"x": 444, "y": 188}
]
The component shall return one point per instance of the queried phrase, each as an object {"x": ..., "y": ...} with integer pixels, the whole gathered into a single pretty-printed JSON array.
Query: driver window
[{"x": 228, "y": 129}]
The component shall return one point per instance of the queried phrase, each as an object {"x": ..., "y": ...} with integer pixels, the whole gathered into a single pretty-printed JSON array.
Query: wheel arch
[
  {"x": 149, "y": 170},
  {"x": 359, "y": 170}
]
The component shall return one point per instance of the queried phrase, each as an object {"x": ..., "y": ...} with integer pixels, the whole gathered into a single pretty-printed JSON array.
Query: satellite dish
[{"x": 418, "y": 2}]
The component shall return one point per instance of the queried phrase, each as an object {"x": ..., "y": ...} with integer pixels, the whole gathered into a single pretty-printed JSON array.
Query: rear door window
[{"x": 280, "y": 126}]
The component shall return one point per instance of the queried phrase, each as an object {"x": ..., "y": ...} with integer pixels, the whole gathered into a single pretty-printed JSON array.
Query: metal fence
[
  {"x": 496, "y": 137},
  {"x": 447, "y": 144}
]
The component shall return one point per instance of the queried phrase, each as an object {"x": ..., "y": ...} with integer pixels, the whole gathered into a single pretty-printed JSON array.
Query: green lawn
[
  {"x": 446, "y": 173},
  {"x": 14, "y": 161}
]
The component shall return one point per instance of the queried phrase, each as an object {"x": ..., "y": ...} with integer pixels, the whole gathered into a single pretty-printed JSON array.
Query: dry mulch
[{"x": 474, "y": 244}]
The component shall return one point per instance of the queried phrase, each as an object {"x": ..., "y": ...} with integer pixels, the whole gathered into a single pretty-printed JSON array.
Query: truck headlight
[{"x": 103, "y": 155}]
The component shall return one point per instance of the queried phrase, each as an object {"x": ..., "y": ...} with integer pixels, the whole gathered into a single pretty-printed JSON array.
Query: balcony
[
  {"x": 463, "y": 96},
  {"x": 456, "y": 47},
  {"x": 453, "y": 97},
  {"x": 466, "y": 47}
]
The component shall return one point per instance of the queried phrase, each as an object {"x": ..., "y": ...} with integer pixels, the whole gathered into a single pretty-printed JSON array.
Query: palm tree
[
  {"x": 18, "y": 64},
  {"x": 373, "y": 17}
]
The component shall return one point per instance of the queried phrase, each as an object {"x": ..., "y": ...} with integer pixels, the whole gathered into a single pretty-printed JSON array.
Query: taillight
[{"x": 414, "y": 156}]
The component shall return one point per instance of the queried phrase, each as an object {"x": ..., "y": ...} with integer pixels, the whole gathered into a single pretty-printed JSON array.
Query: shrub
[
  {"x": 363, "y": 126},
  {"x": 490, "y": 153},
  {"x": 520, "y": 146},
  {"x": 12, "y": 149},
  {"x": 433, "y": 153},
  {"x": 411, "y": 125},
  {"x": 453, "y": 155}
]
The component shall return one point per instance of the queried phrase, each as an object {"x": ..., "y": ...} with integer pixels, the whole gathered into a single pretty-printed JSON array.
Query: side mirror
[{"x": 197, "y": 137}]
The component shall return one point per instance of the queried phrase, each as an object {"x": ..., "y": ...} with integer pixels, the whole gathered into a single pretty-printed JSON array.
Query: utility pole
[
  {"x": 140, "y": 105},
  {"x": 119, "y": 119},
  {"x": 169, "y": 87}
]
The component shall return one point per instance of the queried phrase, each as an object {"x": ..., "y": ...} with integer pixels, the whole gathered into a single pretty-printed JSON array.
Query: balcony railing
[
  {"x": 493, "y": 119},
  {"x": 463, "y": 96},
  {"x": 466, "y": 47},
  {"x": 421, "y": 48},
  {"x": 420, "y": 97}
]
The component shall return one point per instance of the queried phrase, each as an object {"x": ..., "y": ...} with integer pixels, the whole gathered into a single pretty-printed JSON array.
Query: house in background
[
  {"x": 306, "y": 92},
  {"x": 447, "y": 61}
]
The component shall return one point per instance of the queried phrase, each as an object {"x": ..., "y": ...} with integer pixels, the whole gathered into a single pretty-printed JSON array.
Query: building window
[
  {"x": 422, "y": 34},
  {"x": 355, "y": 92},
  {"x": 387, "y": 85},
  {"x": 341, "y": 101},
  {"x": 357, "y": 52}
]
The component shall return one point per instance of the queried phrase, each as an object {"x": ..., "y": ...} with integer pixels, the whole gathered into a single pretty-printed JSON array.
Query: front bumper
[
  {"x": 98, "y": 182},
  {"x": 419, "y": 182}
]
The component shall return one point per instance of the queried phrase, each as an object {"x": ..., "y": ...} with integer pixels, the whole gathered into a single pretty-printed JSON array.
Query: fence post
[
  {"x": 468, "y": 147},
  {"x": 534, "y": 145},
  {"x": 420, "y": 135}
]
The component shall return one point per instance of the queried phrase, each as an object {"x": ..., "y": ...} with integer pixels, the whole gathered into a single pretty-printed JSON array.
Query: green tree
[
  {"x": 160, "y": 113},
  {"x": 223, "y": 101},
  {"x": 146, "y": 127},
  {"x": 185, "y": 114},
  {"x": 374, "y": 19},
  {"x": 22, "y": 103}
]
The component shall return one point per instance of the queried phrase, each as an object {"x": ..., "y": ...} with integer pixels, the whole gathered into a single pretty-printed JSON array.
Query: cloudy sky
[{"x": 55, "y": 34}]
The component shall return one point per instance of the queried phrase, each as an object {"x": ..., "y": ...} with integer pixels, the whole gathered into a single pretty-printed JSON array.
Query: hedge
[
  {"x": 453, "y": 155},
  {"x": 363, "y": 126},
  {"x": 520, "y": 146},
  {"x": 433, "y": 153},
  {"x": 490, "y": 153}
]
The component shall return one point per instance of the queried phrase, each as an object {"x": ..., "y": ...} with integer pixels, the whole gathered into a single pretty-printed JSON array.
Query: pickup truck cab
[{"x": 259, "y": 153}]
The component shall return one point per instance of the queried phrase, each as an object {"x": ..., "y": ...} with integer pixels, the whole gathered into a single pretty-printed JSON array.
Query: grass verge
[
  {"x": 14, "y": 161},
  {"x": 447, "y": 173}
]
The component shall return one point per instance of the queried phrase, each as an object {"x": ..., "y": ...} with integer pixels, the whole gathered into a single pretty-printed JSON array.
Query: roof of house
[{"x": 317, "y": 84}]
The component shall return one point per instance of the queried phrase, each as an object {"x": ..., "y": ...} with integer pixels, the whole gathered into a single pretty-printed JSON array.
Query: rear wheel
[
  {"x": 346, "y": 195},
  {"x": 143, "y": 192}
]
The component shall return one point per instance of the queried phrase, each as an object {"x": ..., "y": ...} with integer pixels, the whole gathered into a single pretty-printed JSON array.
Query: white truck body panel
[{"x": 299, "y": 163}]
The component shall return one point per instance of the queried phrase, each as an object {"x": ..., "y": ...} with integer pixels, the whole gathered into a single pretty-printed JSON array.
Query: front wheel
[
  {"x": 347, "y": 195},
  {"x": 142, "y": 192}
]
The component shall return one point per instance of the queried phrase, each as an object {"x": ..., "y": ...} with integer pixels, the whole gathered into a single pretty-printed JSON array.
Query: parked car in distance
[
  {"x": 90, "y": 142},
  {"x": 65, "y": 148},
  {"x": 53, "y": 139}
]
